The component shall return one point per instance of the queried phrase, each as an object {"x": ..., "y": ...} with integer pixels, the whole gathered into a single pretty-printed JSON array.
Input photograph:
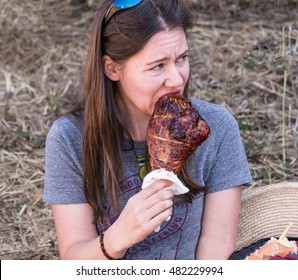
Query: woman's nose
[{"x": 174, "y": 78}]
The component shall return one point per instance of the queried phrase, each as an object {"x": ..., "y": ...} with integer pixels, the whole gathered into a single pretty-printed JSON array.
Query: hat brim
[{"x": 266, "y": 212}]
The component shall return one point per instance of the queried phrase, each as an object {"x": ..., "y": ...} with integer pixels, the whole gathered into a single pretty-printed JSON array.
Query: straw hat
[{"x": 266, "y": 212}]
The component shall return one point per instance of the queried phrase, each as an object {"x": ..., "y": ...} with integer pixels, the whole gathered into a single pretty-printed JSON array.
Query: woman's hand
[
  {"x": 142, "y": 214},
  {"x": 77, "y": 235}
]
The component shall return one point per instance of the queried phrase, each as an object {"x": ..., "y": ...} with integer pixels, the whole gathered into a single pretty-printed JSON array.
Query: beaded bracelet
[{"x": 105, "y": 252}]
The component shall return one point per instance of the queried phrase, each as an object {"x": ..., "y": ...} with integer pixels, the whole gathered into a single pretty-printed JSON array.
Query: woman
[{"x": 137, "y": 54}]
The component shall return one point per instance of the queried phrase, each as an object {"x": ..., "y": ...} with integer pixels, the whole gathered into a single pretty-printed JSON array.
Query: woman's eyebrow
[
  {"x": 158, "y": 60},
  {"x": 166, "y": 58},
  {"x": 184, "y": 53}
]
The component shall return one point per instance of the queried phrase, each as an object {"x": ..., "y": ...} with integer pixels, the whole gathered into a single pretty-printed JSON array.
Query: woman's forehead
[{"x": 167, "y": 43}]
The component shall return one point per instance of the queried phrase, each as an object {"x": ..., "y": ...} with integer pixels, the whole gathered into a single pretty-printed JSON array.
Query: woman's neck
[
  {"x": 138, "y": 130},
  {"x": 136, "y": 122}
]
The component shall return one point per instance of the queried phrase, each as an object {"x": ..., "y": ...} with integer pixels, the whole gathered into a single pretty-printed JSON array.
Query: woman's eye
[
  {"x": 158, "y": 67},
  {"x": 183, "y": 58}
]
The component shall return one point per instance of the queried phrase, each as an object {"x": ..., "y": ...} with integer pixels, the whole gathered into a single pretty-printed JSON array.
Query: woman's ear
[{"x": 111, "y": 68}]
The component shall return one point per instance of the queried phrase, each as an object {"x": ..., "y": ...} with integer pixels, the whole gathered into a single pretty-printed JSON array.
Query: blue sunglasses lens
[
  {"x": 124, "y": 4},
  {"x": 119, "y": 5}
]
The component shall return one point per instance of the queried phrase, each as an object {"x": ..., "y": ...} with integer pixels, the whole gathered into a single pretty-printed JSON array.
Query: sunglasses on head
[{"x": 119, "y": 5}]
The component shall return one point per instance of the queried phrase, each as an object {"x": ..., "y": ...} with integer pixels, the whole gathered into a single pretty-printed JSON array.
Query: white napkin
[{"x": 177, "y": 187}]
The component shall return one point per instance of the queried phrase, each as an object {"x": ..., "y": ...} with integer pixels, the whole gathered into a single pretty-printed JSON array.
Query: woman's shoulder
[
  {"x": 213, "y": 114},
  {"x": 67, "y": 126}
]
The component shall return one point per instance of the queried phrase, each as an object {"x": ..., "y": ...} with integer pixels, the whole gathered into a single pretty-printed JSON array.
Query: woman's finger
[
  {"x": 162, "y": 195},
  {"x": 158, "y": 219},
  {"x": 154, "y": 188}
]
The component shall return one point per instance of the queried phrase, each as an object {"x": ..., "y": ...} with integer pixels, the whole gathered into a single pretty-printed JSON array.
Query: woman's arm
[
  {"x": 219, "y": 225},
  {"x": 77, "y": 235}
]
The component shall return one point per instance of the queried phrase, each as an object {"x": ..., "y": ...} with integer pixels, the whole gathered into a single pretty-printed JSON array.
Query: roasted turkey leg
[{"x": 175, "y": 130}]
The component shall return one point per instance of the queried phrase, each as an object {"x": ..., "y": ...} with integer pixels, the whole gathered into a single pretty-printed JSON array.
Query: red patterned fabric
[{"x": 288, "y": 257}]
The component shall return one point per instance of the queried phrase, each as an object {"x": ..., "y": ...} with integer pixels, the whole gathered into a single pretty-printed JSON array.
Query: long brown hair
[{"x": 124, "y": 35}]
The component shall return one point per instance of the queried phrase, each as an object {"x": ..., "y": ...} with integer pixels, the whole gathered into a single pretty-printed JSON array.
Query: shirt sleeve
[
  {"x": 229, "y": 166},
  {"x": 63, "y": 182}
]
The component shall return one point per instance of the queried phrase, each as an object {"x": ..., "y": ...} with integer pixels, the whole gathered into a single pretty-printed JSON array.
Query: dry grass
[{"x": 244, "y": 55}]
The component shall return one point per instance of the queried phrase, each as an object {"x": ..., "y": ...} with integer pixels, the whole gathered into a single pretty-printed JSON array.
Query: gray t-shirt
[{"x": 219, "y": 163}]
